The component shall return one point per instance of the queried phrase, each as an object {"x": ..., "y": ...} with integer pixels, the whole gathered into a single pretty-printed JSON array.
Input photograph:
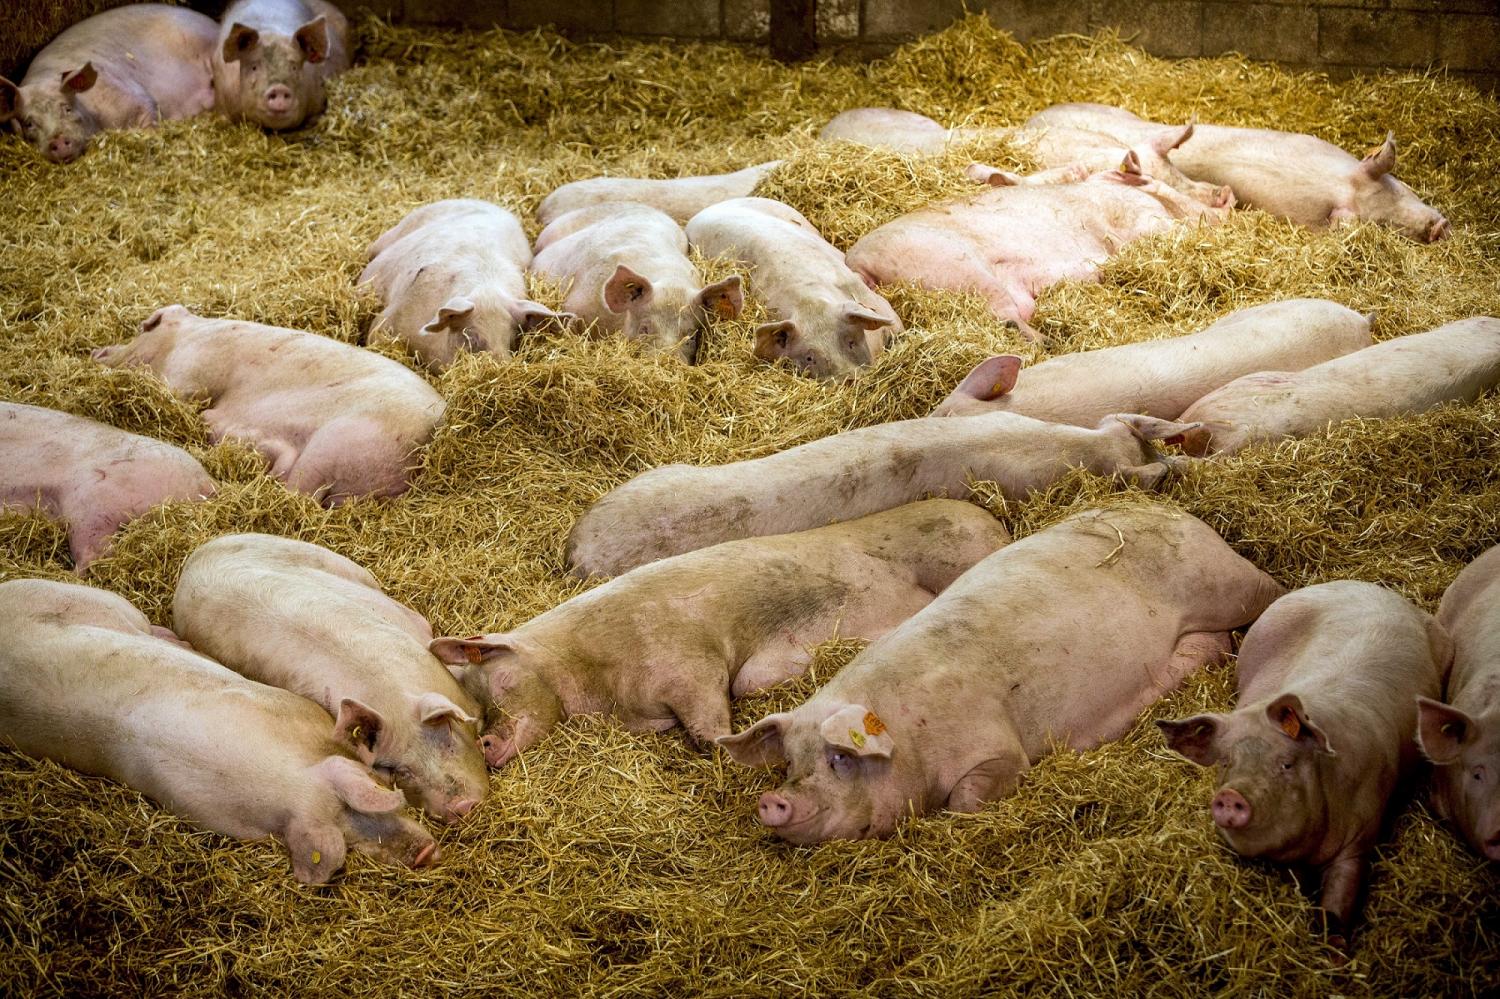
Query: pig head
[
  {"x": 352, "y": 809},
  {"x": 667, "y": 318},
  {"x": 1465, "y": 751},
  {"x": 431, "y": 771},
  {"x": 507, "y": 676},
  {"x": 277, "y": 84},
  {"x": 834, "y": 341},
  {"x": 50, "y": 115}
]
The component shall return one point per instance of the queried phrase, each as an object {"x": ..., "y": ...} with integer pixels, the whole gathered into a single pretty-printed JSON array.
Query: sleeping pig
[
  {"x": 828, "y": 323},
  {"x": 87, "y": 681},
  {"x": 130, "y": 67},
  {"x": 672, "y": 642},
  {"x": 1462, "y": 737},
  {"x": 452, "y": 278},
  {"x": 627, "y": 270},
  {"x": 1064, "y": 636},
  {"x": 333, "y": 420},
  {"x": 1410, "y": 374},
  {"x": 679, "y": 197},
  {"x": 91, "y": 476},
  {"x": 1308, "y": 761},
  {"x": 677, "y": 508},
  {"x": 1162, "y": 377},
  {"x": 297, "y": 616}
]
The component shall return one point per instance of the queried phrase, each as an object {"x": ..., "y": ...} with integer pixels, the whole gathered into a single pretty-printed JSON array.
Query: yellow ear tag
[
  {"x": 873, "y": 724},
  {"x": 997, "y": 389},
  {"x": 858, "y": 738},
  {"x": 317, "y": 857},
  {"x": 1289, "y": 723},
  {"x": 356, "y": 733}
]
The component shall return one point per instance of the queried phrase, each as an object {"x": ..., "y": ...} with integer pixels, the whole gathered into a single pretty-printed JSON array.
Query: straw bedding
[{"x": 607, "y": 863}]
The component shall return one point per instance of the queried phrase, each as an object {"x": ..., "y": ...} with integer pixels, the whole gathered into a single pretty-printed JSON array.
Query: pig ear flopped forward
[
  {"x": 468, "y": 651},
  {"x": 858, "y": 730},
  {"x": 1194, "y": 738},
  {"x": 773, "y": 340},
  {"x": 1442, "y": 731},
  {"x": 357, "y": 788},
  {"x": 359, "y": 725},
  {"x": 626, "y": 288},
  {"x": 454, "y": 315},
  {"x": 1149, "y": 428},
  {"x": 723, "y": 299},
  {"x": 1382, "y": 159},
  {"x": 435, "y": 709},
  {"x": 1290, "y": 717},
  {"x": 241, "y": 39},
  {"x": 79, "y": 80},
  {"x": 1166, "y": 141},
  {"x": 991, "y": 378},
  {"x": 760, "y": 745}
]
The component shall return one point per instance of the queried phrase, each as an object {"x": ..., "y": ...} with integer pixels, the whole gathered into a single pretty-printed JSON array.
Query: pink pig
[
  {"x": 87, "y": 681},
  {"x": 89, "y": 475},
  {"x": 334, "y": 421},
  {"x": 1462, "y": 737},
  {"x": 1009, "y": 244},
  {"x": 130, "y": 67},
  {"x": 951, "y": 708},
  {"x": 1308, "y": 761},
  {"x": 679, "y": 197},
  {"x": 274, "y": 57}
]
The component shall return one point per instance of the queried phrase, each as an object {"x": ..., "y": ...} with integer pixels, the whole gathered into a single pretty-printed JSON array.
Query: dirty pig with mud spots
[{"x": 671, "y": 643}]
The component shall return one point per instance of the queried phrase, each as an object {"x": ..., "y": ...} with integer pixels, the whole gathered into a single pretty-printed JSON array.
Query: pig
[
  {"x": 273, "y": 59},
  {"x": 828, "y": 324},
  {"x": 130, "y": 67},
  {"x": 681, "y": 197},
  {"x": 452, "y": 278},
  {"x": 1290, "y": 175},
  {"x": 1162, "y": 377},
  {"x": 672, "y": 642},
  {"x": 627, "y": 270},
  {"x": 89, "y": 475},
  {"x": 297, "y": 616},
  {"x": 87, "y": 681},
  {"x": 1462, "y": 737},
  {"x": 678, "y": 508},
  {"x": 333, "y": 421},
  {"x": 1323, "y": 731},
  {"x": 1008, "y": 244},
  {"x": 953, "y": 706},
  {"x": 1058, "y": 149},
  {"x": 1410, "y": 374}
]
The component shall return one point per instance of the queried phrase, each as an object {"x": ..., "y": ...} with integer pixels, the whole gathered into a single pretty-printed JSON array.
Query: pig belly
[{"x": 940, "y": 259}]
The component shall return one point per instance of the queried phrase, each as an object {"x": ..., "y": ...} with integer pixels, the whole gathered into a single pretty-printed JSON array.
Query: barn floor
[{"x": 611, "y": 863}]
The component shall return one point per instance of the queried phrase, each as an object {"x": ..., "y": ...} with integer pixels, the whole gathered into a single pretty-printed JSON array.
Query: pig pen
[{"x": 612, "y": 863}]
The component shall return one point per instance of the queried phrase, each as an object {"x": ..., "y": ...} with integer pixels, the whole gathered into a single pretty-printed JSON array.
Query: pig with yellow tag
[
  {"x": 951, "y": 708},
  {"x": 1306, "y": 765}
]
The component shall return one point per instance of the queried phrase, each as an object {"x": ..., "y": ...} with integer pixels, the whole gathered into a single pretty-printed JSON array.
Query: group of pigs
[
  {"x": 134, "y": 66},
  {"x": 345, "y": 708}
]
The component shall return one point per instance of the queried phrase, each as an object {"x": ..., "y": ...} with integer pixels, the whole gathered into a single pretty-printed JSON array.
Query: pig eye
[
  {"x": 1478, "y": 773},
  {"x": 1287, "y": 764},
  {"x": 842, "y": 764}
]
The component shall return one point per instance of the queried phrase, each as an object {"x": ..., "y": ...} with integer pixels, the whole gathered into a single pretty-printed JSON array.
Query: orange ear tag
[
  {"x": 472, "y": 654},
  {"x": 1289, "y": 723},
  {"x": 723, "y": 309},
  {"x": 873, "y": 724}
]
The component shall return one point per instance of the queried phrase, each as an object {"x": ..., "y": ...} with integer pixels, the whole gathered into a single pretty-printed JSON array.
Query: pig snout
[
  {"x": 497, "y": 750},
  {"x": 774, "y": 809},
  {"x": 278, "y": 98},
  {"x": 62, "y": 149},
  {"x": 1231, "y": 810},
  {"x": 1437, "y": 230},
  {"x": 456, "y": 810},
  {"x": 427, "y": 855}
]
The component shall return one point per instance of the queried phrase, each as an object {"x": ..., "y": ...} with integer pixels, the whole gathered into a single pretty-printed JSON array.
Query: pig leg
[
  {"x": 1194, "y": 650},
  {"x": 280, "y": 455},
  {"x": 991, "y": 779},
  {"x": 168, "y": 635},
  {"x": 702, "y": 706},
  {"x": 349, "y": 457},
  {"x": 1339, "y": 898}
]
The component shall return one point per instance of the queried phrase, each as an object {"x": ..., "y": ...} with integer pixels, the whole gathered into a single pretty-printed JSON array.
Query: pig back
[{"x": 1470, "y": 613}]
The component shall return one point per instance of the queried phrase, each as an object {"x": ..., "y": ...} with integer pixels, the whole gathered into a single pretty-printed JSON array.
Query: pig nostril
[
  {"x": 1230, "y": 809},
  {"x": 462, "y": 807},
  {"x": 1438, "y": 230},
  {"x": 774, "y": 810}
]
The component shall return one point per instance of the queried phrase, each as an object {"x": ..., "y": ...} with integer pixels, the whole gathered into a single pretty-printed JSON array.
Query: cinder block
[
  {"x": 575, "y": 15},
  {"x": 747, "y": 20},
  {"x": 1261, "y": 31},
  {"x": 1377, "y": 37},
  {"x": 678, "y": 18},
  {"x": 1161, "y": 27},
  {"x": 1032, "y": 19},
  {"x": 469, "y": 13},
  {"x": 907, "y": 18},
  {"x": 1467, "y": 41}
]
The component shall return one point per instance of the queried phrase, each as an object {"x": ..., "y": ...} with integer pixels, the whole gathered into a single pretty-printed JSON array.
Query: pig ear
[
  {"x": 1382, "y": 159},
  {"x": 760, "y": 745},
  {"x": 1130, "y": 166},
  {"x": 529, "y": 315},
  {"x": 773, "y": 340},
  {"x": 317, "y": 850},
  {"x": 1443, "y": 731},
  {"x": 80, "y": 79},
  {"x": 10, "y": 100},
  {"x": 723, "y": 298},
  {"x": 359, "y": 725},
  {"x": 1288, "y": 715},
  {"x": 435, "y": 709},
  {"x": 1193, "y": 737},
  {"x": 154, "y": 320},
  {"x": 357, "y": 787},
  {"x": 1169, "y": 139},
  {"x": 1149, "y": 428},
  {"x": 865, "y": 319},
  {"x": 312, "y": 39},
  {"x": 469, "y": 651},
  {"x": 991, "y": 378},
  {"x": 979, "y": 173},
  {"x": 454, "y": 315},
  {"x": 241, "y": 39},
  {"x": 858, "y": 730},
  {"x": 626, "y": 288}
]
